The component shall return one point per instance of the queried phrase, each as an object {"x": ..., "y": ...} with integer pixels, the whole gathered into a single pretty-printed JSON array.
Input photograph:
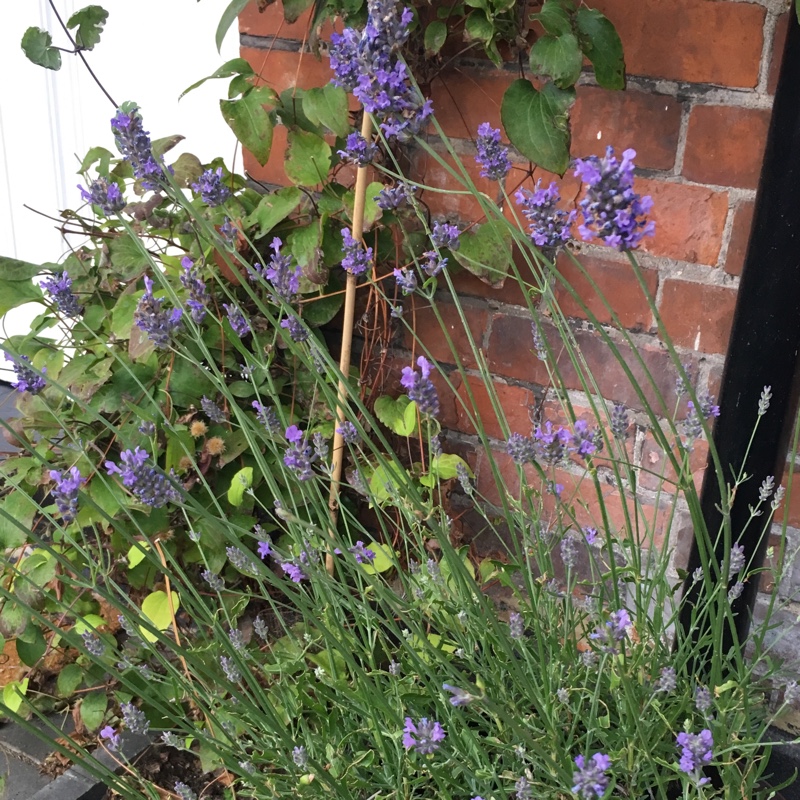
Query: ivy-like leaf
[
  {"x": 156, "y": 608},
  {"x": 93, "y": 710},
  {"x": 90, "y": 22},
  {"x": 435, "y": 36},
  {"x": 292, "y": 9},
  {"x": 240, "y": 482},
  {"x": 328, "y": 106},
  {"x": 559, "y": 58},
  {"x": 555, "y": 17},
  {"x": 601, "y": 44},
  {"x": 250, "y": 122},
  {"x": 229, "y": 16},
  {"x": 399, "y": 415},
  {"x": 37, "y": 46},
  {"x": 272, "y": 209},
  {"x": 236, "y": 66},
  {"x": 485, "y": 251},
  {"x": 308, "y": 158},
  {"x": 536, "y": 122}
]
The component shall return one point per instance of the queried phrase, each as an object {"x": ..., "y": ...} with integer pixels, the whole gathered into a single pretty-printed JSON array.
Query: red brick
[
  {"x": 740, "y": 237},
  {"x": 281, "y": 69},
  {"x": 778, "y": 46},
  {"x": 700, "y": 41},
  {"x": 485, "y": 482},
  {"x": 429, "y": 331},
  {"x": 463, "y": 99},
  {"x": 690, "y": 221},
  {"x": 271, "y": 23},
  {"x": 465, "y": 283},
  {"x": 725, "y": 145},
  {"x": 272, "y": 172},
  {"x": 657, "y": 472},
  {"x": 698, "y": 316},
  {"x": 614, "y": 284},
  {"x": 517, "y": 404},
  {"x": 649, "y": 123},
  {"x": 511, "y": 355}
]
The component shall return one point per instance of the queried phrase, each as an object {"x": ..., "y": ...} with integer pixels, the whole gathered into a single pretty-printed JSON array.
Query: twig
[{"x": 347, "y": 343}]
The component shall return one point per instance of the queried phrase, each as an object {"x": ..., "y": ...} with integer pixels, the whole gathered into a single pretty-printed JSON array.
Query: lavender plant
[{"x": 170, "y": 503}]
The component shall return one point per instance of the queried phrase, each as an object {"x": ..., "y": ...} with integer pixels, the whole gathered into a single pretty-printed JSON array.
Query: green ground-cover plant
[{"x": 167, "y": 522}]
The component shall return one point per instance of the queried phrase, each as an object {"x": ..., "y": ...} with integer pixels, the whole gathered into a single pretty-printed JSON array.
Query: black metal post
[{"x": 764, "y": 348}]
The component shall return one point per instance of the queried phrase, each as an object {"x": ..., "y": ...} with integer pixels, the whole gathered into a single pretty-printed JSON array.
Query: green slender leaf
[
  {"x": 250, "y": 122},
  {"x": 435, "y": 36},
  {"x": 272, "y": 209},
  {"x": 558, "y": 57},
  {"x": 90, "y": 22},
  {"x": 308, "y": 158},
  {"x": 236, "y": 66},
  {"x": 328, "y": 106},
  {"x": 229, "y": 16},
  {"x": 37, "y": 46},
  {"x": 601, "y": 44},
  {"x": 537, "y": 123}
]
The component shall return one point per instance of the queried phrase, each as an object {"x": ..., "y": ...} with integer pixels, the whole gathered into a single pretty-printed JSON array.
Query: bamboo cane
[{"x": 337, "y": 459}]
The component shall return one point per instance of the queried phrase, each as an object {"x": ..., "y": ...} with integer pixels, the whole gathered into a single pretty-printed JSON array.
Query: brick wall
[{"x": 701, "y": 78}]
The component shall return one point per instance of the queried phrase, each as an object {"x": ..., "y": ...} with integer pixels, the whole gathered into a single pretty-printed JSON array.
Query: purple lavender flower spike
[
  {"x": 133, "y": 142},
  {"x": 111, "y": 738},
  {"x": 406, "y": 280},
  {"x": 158, "y": 324},
  {"x": 298, "y": 456},
  {"x": 420, "y": 388},
  {"x": 612, "y": 211},
  {"x": 59, "y": 287},
  {"x": 432, "y": 263},
  {"x": 696, "y": 752},
  {"x": 267, "y": 417},
  {"x": 445, "y": 235},
  {"x": 423, "y": 736},
  {"x": 521, "y": 449},
  {"x": 348, "y": 432},
  {"x": 548, "y": 225},
  {"x": 213, "y": 192},
  {"x": 492, "y": 156},
  {"x": 237, "y": 319},
  {"x": 150, "y": 487},
  {"x": 357, "y": 259},
  {"x": 294, "y": 571},
  {"x": 586, "y": 442},
  {"x": 198, "y": 295},
  {"x": 212, "y": 410},
  {"x": 552, "y": 444},
  {"x": 285, "y": 280},
  {"x": 362, "y": 553},
  {"x": 297, "y": 331},
  {"x": 614, "y": 631},
  {"x": 358, "y": 150},
  {"x": 367, "y": 65},
  {"x": 65, "y": 492},
  {"x": 590, "y": 779},
  {"x": 460, "y": 697},
  {"x": 27, "y": 379},
  {"x": 390, "y": 199},
  {"x": 104, "y": 194}
]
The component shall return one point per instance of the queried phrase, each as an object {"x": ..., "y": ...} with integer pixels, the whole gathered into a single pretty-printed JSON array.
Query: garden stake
[{"x": 337, "y": 458}]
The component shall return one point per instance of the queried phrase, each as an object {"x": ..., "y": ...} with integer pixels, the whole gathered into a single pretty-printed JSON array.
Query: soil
[{"x": 165, "y": 766}]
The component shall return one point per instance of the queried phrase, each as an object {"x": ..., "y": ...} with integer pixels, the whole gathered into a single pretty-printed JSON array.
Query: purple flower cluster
[
  {"x": 492, "y": 156},
  {"x": 696, "y": 752},
  {"x": 198, "y": 294},
  {"x": 212, "y": 410},
  {"x": 358, "y": 150},
  {"x": 213, "y": 192},
  {"x": 553, "y": 444},
  {"x": 151, "y": 487},
  {"x": 460, "y": 697},
  {"x": 590, "y": 779},
  {"x": 134, "y": 144},
  {"x": 420, "y": 388},
  {"x": 237, "y": 319},
  {"x": 111, "y": 738},
  {"x": 693, "y": 423},
  {"x": 59, "y": 287},
  {"x": 297, "y": 331},
  {"x": 612, "y": 211},
  {"x": 65, "y": 492},
  {"x": 406, "y": 280},
  {"x": 423, "y": 736},
  {"x": 367, "y": 65},
  {"x": 27, "y": 379},
  {"x": 279, "y": 272},
  {"x": 267, "y": 417},
  {"x": 391, "y": 198},
  {"x": 614, "y": 631},
  {"x": 548, "y": 225},
  {"x": 348, "y": 432},
  {"x": 362, "y": 553},
  {"x": 445, "y": 235},
  {"x": 135, "y": 719},
  {"x": 298, "y": 456},
  {"x": 105, "y": 194},
  {"x": 158, "y": 324},
  {"x": 357, "y": 259}
]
